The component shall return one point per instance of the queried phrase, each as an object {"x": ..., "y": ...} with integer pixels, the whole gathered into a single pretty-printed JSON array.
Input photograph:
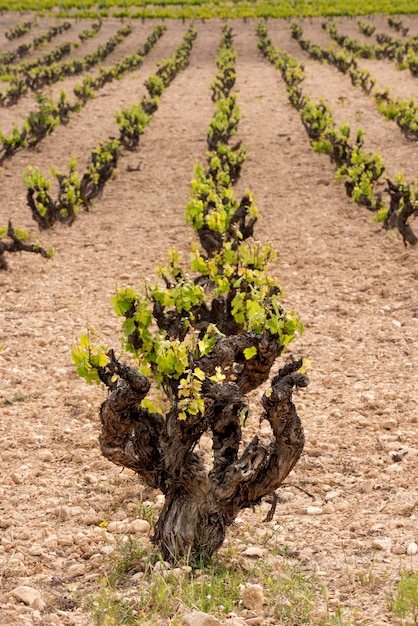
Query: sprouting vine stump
[
  {"x": 201, "y": 504},
  {"x": 17, "y": 242},
  {"x": 206, "y": 340}
]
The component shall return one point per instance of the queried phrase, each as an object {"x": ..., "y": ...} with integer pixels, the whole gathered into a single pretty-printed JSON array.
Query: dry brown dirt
[{"x": 354, "y": 286}]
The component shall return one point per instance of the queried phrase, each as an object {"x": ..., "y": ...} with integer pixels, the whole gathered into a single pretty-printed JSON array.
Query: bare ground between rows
[{"x": 354, "y": 286}]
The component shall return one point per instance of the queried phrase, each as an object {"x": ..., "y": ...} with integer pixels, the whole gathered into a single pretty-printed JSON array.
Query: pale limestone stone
[
  {"x": 255, "y": 551},
  {"x": 65, "y": 511},
  {"x": 46, "y": 456},
  {"x": 368, "y": 397},
  {"x": 76, "y": 570},
  {"x": 252, "y": 597},
  {"x": 383, "y": 544},
  {"x": 52, "y": 619},
  {"x": 17, "y": 478},
  {"x": 314, "y": 510},
  {"x": 138, "y": 526},
  {"x": 137, "y": 578},
  {"x": 198, "y": 618},
  {"x": 398, "y": 548},
  {"x": 332, "y": 494},
  {"x": 91, "y": 479},
  {"x": 117, "y": 526},
  {"x": 30, "y": 596},
  {"x": 163, "y": 568}
]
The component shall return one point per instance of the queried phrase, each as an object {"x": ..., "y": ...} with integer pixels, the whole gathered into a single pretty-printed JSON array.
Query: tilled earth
[{"x": 348, "y": 510}]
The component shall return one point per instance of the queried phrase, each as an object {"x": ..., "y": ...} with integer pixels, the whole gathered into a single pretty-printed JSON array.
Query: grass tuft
[
  {"x": 141, "y": 589},
  {"x": 404, "y": 601}
]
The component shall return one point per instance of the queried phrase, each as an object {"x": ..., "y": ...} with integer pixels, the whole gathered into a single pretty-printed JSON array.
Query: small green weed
[
  {"x": 404, "y": 601},
  {"x": 292, "y": 595},
  {"x": 18, "y": 397},
  {"x": 158, "y": 590},
  {"x": 141, "y": 589}
]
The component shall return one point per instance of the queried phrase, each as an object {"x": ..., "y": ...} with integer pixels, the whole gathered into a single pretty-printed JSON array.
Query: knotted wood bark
[{"x": 200, "y": 501}]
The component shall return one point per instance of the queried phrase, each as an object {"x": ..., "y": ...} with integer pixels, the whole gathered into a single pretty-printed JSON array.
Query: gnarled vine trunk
[{"x": 201, "y": 502}]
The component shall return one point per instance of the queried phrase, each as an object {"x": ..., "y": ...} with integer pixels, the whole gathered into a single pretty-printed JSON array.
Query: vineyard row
[{"x": 358, "y": 170}]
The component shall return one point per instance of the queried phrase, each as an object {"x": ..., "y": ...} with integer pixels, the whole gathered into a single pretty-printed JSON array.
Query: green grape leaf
[{"x": 250, "y": 352}]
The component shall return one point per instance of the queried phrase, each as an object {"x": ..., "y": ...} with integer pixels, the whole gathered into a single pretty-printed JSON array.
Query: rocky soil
[{"x": 348, "y": 512}]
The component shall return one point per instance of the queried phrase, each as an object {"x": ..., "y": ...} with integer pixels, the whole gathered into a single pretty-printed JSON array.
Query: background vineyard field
[
  {"x": 207, "y": 9},
  {"x": 346, "y": 517}
]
